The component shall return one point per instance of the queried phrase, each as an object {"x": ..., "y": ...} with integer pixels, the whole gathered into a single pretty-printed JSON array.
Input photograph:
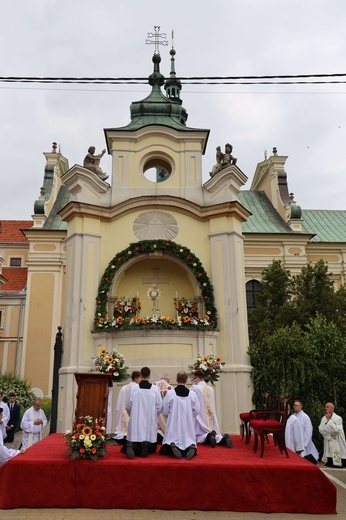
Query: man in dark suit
[{"x": 14, "y": 417}]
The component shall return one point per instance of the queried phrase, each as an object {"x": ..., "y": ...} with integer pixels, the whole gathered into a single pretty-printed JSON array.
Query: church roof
[
  {"x": 10, "y": 230},
  {"x": 264, "y": 218},
  {"x": 324, "y": 225},
  {"x": 327, "y": 225},
  {"x": 16, "y": 279},
  {"x": 54, "y": 221}
]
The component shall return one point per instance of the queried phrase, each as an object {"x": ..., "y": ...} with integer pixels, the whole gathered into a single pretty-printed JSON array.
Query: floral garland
[
  {"x": 211, "y": 366},
  {"x": 112, "y": 363},
  {"x": 114, "y": 323},
  {"x": 87, "y": 438}
]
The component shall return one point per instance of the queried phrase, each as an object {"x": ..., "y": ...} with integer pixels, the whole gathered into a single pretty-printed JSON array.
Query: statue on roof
[
  {"x": 92, "y": 162},
  {"x": 223, "y": 159}
]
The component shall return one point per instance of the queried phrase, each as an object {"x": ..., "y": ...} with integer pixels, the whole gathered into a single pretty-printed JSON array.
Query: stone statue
[
  {"x": 92, "y": 162},
  {"x": 223, "y": 159}
]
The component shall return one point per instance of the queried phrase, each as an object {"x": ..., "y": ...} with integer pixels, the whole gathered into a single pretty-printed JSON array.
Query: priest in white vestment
[
  {"x": 181, "y": 407},
  {"x": 122, "y": 415},
  {"x": 331, "y": 428},
  {"x": 311, "y": 453},
  {"x": 33, "y": 422},
  {"x": 206, "y": 423},
  {"x": 143, "y": 404}
]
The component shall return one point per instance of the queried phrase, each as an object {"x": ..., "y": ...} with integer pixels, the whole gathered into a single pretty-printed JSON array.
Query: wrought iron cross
[{"x": 156, "y": 38}]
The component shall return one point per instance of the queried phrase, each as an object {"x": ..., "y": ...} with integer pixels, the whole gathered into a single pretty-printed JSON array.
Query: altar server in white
[
  {"x": 6, "y": 453},
  {"x": 331, "y": 428},
  {"x": 206, "y": 423},
  {"x": 294, "y": 435},
  {"x": 5, "y": 413},
  {"x": 33, "y": 422},
  {"x": 143, "y": 404},
  {"x": 181, "y": 407},
  {"x": 310, "y": 449},
  {"x": 122, "y": 415}
]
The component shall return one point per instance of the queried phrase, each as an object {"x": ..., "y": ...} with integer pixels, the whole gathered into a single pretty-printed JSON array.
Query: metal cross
[{"x": 156, "y": 38}]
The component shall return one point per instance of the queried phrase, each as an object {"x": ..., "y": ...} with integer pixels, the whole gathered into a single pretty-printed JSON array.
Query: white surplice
[
  {"x": 180, "y": 412},
  {"x": 306, "y": 424},
  {"x": 143, "y": 406},
  {"x": 206, "y": 420},
  {"x": 122, "y": 415},
  {"x": 32, "y": 433},
  {"x": 7, "y": 454},
  {"x": 294, "y": 435},
  {"x": 5, "y": 413},
  {"x": 334, "y": 439}
]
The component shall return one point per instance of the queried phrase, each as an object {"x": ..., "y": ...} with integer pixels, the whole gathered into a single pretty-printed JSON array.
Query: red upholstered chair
[
  {"x": 271, "y": 423},
  {"x": 245, "y": 417}
]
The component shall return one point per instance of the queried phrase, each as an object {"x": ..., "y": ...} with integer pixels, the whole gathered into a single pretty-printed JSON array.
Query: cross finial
[{"x": 156, "y": 38}]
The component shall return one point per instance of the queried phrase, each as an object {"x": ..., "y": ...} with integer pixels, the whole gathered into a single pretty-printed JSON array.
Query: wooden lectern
[{"x": 92, "y": 394}]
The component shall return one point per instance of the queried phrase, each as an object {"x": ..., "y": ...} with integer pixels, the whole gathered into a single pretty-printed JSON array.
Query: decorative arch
[{"x": 167, "y": 247}]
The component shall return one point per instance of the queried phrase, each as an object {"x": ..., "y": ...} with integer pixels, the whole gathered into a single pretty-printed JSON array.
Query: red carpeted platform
[{"x": 218, "y": 479}]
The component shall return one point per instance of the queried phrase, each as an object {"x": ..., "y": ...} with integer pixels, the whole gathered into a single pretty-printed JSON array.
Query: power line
[{"x": 299, "y": 79}]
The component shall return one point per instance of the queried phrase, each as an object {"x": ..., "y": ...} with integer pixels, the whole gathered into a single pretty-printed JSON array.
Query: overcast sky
[{"x": 106, "y": 38}]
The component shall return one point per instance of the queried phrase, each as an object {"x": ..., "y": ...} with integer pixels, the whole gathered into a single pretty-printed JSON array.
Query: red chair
[
  {"x": 271, "y": 422},
  {"x": 245, "y": 417}
]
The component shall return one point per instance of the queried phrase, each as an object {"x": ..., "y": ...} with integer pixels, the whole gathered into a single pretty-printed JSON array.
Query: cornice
[{"x": 79, "y": 209}]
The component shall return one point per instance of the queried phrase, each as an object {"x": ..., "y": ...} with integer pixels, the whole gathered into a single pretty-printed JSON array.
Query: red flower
[
  {"x": 137, "y": 248},
  {"x": 81, "y": 450},
  {"x": 93, "y": 450},
  {"x": 119, "y": 259},
  {"x": 99, "y": 301}
]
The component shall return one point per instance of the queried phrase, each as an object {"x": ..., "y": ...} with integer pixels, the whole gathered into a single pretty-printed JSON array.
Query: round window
[{"x": 157, "y": 170}]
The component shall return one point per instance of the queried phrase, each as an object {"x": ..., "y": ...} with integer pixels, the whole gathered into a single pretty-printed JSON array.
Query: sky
[{"x": 85, "y": 38}]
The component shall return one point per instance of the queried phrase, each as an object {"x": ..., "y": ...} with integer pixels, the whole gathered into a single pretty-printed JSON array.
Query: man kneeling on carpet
[
  {"x": 33, "y": 422},
  {"x": 206, "y": 423},
  {"x": 180, "y": 406},
  {"x": 6, "y": 453},
  {"x": 143, "y": 404}
]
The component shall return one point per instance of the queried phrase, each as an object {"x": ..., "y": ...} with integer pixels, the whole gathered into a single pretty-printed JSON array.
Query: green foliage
[
  {"x": 298, "y": 339},
  {"x": 313, "y": 293},
  {"x": 10, "y": 383},
  {"x": 273, "y": 303}
]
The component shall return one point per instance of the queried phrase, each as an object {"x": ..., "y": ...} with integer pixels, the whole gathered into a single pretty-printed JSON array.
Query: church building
[{"x": 114, "y": 259}]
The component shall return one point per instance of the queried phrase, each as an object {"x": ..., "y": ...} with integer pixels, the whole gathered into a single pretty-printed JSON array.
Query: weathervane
[{"x": 156, "y": 38}]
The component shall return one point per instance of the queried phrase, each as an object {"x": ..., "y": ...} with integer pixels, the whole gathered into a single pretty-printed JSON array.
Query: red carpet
[{"x": 219, "y": 479}]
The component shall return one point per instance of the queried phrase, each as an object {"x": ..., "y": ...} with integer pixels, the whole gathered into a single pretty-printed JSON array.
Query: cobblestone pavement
[{"x": 338, "y": 477}]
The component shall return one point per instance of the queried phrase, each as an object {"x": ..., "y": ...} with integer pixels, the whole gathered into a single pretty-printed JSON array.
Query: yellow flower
[
  {"x": 87, "y": 430},
  {"x": 109, "y": 359},
  {"x": 93, "y": 437},
  {"x": 103, "y": 351},
  {"x": 81, "y": 437}
]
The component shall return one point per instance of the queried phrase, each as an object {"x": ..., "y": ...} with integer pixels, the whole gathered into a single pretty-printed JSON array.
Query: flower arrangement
[
  {"x": 87, "y": 438},
  {"x": 211, "y": 366},
  {"x": 186, "y": 307},
  {"x": 126, "y": 306},
  {"x": 155, "y": 322},
  {"x": 112, "y": 363},
  {"x": 145, "y": 247}
]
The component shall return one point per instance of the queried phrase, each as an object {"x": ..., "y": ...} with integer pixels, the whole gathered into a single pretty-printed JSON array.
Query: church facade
[{"x": 113, "y": 260}]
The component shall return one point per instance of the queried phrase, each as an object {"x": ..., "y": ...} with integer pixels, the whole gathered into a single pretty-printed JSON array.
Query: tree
[
  {"x": 273, "y": 303},
  {"x": 313, "y": 293}
]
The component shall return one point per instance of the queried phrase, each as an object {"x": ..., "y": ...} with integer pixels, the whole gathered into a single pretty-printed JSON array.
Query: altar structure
[{"x": 135, "y": 238}]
